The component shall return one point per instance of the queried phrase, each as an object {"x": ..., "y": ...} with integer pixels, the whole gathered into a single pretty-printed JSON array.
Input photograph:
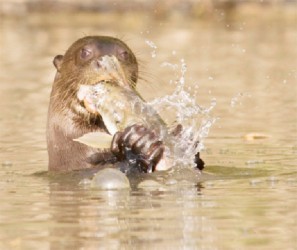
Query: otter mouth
[
  {"x": 88, "y": 94},
  {"x": 83, "y": 95},
  {"x": 108, "y": 72}
]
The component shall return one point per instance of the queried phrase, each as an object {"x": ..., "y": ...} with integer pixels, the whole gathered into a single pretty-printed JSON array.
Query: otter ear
[{"x": 58, "y": 61}]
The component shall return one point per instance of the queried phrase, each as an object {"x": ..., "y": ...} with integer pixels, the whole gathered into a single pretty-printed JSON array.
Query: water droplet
[
  {"x": 236, "y": 100},
  {"x": 170, "y": 65},
  {"x": 153, "y": 46}
]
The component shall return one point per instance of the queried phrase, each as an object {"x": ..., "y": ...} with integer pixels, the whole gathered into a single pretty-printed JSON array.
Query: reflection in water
[
  {"x": 215, "y": 215},
  {"x": 93, "y": 218},
  {"x": 248, "y": 201}
]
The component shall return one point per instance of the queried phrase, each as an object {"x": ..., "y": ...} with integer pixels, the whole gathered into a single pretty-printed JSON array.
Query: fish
[{"x": 120, "y": 106}]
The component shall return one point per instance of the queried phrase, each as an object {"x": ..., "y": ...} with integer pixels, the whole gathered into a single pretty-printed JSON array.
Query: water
[
  {"x": 195, "y": 120},
  {"x": 247, "y": 198}
]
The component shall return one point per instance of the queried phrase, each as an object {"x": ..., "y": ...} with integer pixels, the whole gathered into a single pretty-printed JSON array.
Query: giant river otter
[{"x": 68, "y": 118}]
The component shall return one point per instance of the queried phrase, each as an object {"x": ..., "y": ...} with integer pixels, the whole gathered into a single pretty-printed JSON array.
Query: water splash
[{"x": 195, "y": 120}]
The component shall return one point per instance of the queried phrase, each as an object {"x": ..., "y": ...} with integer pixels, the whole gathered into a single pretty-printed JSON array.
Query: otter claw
[
  {"x": 139, "y": 146},
  {"x": 115, "y": 143},
  {"x": 156, "y": 153},
  {"x": 145, "y": 165}
]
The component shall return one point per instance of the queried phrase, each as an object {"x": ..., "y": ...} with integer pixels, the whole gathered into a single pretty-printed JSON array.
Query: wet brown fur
[{"x": 67, "y": 118}]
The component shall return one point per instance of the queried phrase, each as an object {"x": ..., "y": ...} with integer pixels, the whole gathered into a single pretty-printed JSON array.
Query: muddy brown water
[{"x": 249, "y": 202}]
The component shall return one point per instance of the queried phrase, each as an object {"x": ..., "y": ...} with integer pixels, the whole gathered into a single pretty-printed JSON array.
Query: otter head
[
  {"x": 83, "y": 60},
  {"x": 87, "y": 62}
]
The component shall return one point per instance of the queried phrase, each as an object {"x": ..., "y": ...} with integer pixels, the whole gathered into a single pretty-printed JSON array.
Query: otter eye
[
  {"x": 85, "y": 53},
  {"x": 124, "y": 55}
]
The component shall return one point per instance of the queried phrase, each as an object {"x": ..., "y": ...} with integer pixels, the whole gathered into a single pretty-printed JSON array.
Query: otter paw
[{"x": 140, "y": 146}]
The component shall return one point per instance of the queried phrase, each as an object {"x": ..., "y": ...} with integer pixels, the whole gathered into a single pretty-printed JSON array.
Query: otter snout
[{"x": 109, "y": 68}]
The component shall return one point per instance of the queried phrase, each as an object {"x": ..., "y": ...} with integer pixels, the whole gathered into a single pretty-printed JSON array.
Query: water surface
[{"x": 249, "y": 202}]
